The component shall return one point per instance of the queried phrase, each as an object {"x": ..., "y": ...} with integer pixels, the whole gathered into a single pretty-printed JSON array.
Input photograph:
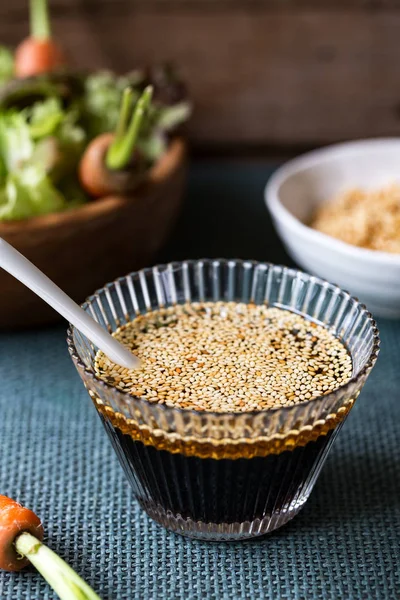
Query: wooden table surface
[{"x": 263, "y": 73}]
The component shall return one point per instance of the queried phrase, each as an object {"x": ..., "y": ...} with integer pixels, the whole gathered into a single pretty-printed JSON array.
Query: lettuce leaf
[
  {"x": 171, "y": 116},
  {"x": 44, "y": 117},
  {"x": 16, "y": 145},
  {"x": 39, "y": 147},
  {"x": 153, "y": 145},
  {"x": 103, "y": 93},
  {"x": 49, "y": 119},
  {"x": 72, "y": 137},
  {"x": 28, "y": 193},
  {"x": 43, "y": 134}
]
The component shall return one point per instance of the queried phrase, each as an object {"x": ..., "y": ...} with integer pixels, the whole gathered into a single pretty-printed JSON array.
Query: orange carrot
[
  {"x": 110, "y": 163},
  {"x": 95, "y": 178},
  {"x": 21, "y": 535},
  {"x": 38, "y": 53},
  {"x": 14, "y": 519}
]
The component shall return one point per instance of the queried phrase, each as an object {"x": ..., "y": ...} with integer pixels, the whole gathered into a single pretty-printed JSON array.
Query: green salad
[{"x": 47, "y": 121}]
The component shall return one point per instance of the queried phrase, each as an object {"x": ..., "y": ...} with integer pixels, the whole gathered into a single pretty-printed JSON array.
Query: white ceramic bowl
[{"x": 294, "y": 191}]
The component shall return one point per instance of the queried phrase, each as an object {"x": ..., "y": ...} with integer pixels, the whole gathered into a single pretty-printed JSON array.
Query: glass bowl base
[{"x": 221, "y": 532}]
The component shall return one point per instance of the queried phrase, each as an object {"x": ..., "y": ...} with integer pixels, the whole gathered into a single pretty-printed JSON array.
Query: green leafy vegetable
[
  {"x": 71, "y": 135},
  {"x": 48, "y": 118},
  {"x": 3, "y": 171},
  {"x": 103, "y": 92},
  {"x": 44, "y": 131},
  {"x": 16, "y": 145},
  {"x": 29, "y": 192},
  {"x": 71, "y": 140},
  {"x": 153, "y": 145},
  {"x": 39, "y": 146},
  {"x": 44, "y": 117},
  {"x": 46, "y": 153},
  {"x": 171, "y": 116}
]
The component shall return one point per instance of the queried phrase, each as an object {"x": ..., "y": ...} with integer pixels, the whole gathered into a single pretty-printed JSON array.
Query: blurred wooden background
[{"x": 265, "y": 74}]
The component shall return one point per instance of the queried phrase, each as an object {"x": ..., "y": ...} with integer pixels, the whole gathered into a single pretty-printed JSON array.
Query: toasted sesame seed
[{"x": 252, "y": 358}]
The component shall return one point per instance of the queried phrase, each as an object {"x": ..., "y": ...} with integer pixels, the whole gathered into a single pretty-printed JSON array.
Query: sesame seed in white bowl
[{"x": 297, "y": 188}]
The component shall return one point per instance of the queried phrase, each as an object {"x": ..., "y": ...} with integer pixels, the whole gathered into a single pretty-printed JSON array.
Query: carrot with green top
[
  {"x": 111, "y": 164},
  {"x": 21, "y": 535},
  {"x": 38, "y": 53},
  {"x": 15, "y": 519}
]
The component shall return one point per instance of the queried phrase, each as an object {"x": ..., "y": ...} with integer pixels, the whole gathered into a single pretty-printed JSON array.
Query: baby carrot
[
  {"x": 38, "y": 53},
  {"x": 14, "y": 519},
  {"x": 110, "y": 163},
  {"x": 21, "y": 535}
]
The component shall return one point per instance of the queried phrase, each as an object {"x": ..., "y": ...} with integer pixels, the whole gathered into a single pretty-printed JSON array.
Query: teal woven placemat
[{"x": 56, "y": 459}]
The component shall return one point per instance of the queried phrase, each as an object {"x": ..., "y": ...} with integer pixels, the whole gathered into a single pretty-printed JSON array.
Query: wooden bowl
[{"x": 83, "y": 248}]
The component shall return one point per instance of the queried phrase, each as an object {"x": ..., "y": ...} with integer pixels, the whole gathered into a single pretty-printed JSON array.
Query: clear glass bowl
[{"x": 224, "y": 476}]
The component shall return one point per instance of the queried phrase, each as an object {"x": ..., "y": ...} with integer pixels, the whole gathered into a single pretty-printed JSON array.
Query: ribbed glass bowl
[{"x": 224, "y": 476}]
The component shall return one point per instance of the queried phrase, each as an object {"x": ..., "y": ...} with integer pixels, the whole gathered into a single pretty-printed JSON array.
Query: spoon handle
[{"x": 22, "y": 269}]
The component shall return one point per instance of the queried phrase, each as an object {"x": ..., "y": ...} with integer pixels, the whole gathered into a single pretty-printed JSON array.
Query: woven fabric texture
[{"x": 56, "y": 459}]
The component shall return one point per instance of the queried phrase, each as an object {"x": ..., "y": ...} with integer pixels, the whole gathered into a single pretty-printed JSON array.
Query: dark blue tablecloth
[{"x": 54, "y": 457}]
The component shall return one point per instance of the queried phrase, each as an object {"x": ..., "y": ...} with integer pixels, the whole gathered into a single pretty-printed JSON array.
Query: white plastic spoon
[{"x": 22, "y": 269}]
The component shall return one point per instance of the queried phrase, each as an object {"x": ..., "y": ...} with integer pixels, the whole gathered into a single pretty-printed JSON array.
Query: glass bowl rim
[{"x": 354, "y": 380}]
